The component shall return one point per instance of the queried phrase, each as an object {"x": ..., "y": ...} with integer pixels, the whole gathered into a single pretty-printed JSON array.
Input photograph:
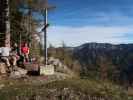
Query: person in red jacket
[{"x": 25, "y": 52}]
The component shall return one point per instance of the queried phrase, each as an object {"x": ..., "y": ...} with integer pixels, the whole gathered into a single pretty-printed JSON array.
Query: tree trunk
[{"x": 7, "y": 32}]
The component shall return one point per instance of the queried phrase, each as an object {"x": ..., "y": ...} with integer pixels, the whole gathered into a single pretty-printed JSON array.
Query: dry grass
[{"x": 26, "y": 90}]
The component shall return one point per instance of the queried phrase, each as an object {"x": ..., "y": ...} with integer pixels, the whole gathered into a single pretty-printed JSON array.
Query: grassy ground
[
  {"x": 29, "y": 90},
  {"x": 93, "y": 88}
]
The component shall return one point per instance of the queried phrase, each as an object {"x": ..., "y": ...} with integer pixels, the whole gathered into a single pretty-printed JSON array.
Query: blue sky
[{"x": 79, "y": 21}]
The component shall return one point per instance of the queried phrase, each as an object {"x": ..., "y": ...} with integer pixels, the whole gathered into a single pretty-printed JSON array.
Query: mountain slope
[{"x": 106, "y": 61}]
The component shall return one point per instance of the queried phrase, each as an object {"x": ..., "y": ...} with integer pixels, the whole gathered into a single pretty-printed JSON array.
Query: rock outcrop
[
  {"x": 59, "y": 66},
  {"x": 18, "y": 73},
  {"x": 2, "y": 68}
]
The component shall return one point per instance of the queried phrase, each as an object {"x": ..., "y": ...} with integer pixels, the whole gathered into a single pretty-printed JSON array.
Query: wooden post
[
  {"x": 45, "y": 37},
  {"x": 20, "y": 41}
]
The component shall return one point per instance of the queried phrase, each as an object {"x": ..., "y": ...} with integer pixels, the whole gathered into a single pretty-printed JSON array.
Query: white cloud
[{"x": 74, "y": 36}]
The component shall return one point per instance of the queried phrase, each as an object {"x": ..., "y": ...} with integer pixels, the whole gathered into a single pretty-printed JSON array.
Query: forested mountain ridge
[{"x": 106, "y": 61}]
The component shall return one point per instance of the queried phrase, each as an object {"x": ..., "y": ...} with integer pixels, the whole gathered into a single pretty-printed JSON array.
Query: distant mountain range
[{"x": 106, "y": 61}]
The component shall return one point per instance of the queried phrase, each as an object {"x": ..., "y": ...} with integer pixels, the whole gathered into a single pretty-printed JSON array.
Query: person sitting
[
  {"x": 8, "y": 55},
  {"x": 25, "y": 52},
  {"x": 15, "y": 55},
  {"x": 5, "y": 53},
  {"x": 16, "y": 51}
]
